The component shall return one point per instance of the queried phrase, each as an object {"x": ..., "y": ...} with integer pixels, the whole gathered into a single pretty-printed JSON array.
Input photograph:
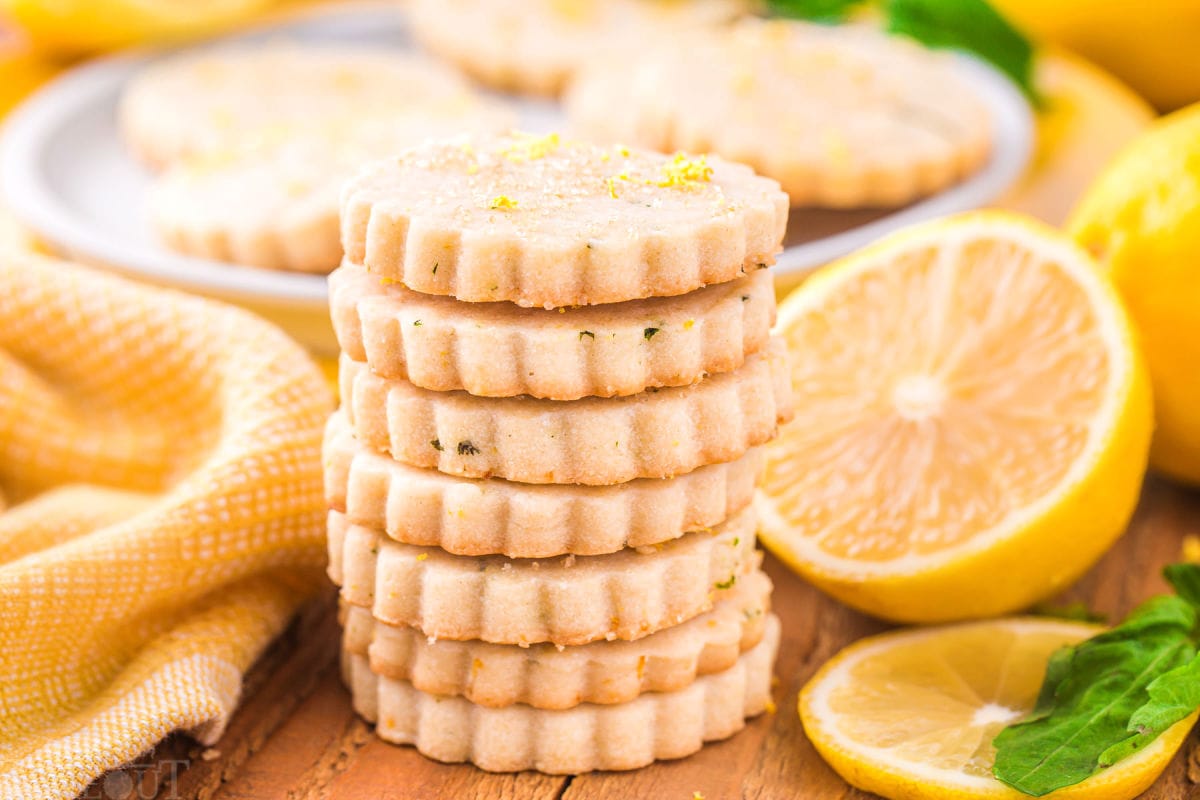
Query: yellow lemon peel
[
  {"x": 685, "y": 172},
  {"x": 531, "y": 148}
]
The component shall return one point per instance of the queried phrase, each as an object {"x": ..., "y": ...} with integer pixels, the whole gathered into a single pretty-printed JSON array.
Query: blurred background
[
  {"x": 1150, "y": 48},
  {"x": 1102, "y": 71}
]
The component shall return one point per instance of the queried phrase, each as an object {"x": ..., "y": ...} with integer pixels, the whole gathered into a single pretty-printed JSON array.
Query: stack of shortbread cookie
[{"x": 556, "y": 380}]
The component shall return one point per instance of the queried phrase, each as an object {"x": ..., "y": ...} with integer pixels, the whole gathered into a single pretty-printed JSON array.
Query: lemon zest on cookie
[
  {"x": 685, "y": 172},
  {"x": 532, "y": 148},
  {"x": 503, "y": 202}
]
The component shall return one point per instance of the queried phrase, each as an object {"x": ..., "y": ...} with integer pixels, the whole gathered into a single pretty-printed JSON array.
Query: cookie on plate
[
  {"x": 211, "y": 102},
  {"x": 273, "y": 200},
  {"x": 256, "y": 144},
  {"x": 842, "y": 116},
  {"x": 535, "y": 45},
  {"x": 550, "y": 222}
]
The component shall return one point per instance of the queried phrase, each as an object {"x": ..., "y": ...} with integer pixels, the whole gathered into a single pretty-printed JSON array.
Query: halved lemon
[
  {"x": 972, "y": 425},
  {"x": 911, "y": 715}
]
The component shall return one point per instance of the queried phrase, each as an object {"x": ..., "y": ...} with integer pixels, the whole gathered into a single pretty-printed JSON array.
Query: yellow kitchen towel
[{"x": 161, "y": 515}]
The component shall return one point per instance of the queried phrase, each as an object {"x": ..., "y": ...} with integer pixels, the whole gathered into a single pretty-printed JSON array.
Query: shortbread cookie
[
  {"x": 212, "y": 102},
  {"x": 567, "y": 600},
  {"x": 657, "y": 725},
  {"x": 545, "y": 676},
  {"x": 274, "y": 202},
  {"x": 594, "y": 441},
  {"x": 480, "y": 517},
  {"x": 540, "y": 221},
  {"x": 257, "y": 144},
  {"x": 842, "y": 116},
  {"x": 535, "y": 45},
  {"x": 502, "y": 350}
]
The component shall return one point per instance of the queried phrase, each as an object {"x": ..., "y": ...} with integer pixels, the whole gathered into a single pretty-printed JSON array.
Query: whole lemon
[
  {"x": 74, "y": 27},
  {"x": 1087, "y": 117},
  {"x": 1141, "y": 219},
  {"x": 21, "y": 70},
  {"x": 1151, "y": 46}
]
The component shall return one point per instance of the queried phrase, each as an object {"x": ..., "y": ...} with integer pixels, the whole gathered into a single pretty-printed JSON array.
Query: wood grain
[{"x": 296, "y": 738}]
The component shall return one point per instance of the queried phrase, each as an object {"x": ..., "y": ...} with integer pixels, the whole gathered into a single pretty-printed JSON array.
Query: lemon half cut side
[{"x": 973, "y": 421}]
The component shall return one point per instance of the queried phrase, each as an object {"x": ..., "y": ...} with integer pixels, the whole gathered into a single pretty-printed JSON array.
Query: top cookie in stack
[
  {"x": 537, "y": 221},
  {"x": 536, "y": 334}
]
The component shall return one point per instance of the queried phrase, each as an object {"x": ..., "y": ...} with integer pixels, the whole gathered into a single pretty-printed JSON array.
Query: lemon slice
[
  {"x": 911, "y": 715},
  {"x": 972, "y": 422}
]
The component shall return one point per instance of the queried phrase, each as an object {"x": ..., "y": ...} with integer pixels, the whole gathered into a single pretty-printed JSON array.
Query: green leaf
[
  {"x": 1172, "y": 697},
  {"x": 971, "y": 25},
  {"x": 815, "y": 10},
  {"x": 1185, "y": 579},
  {"x": 1057, "y": 670},
  {"x": 1090, "y": 696}
]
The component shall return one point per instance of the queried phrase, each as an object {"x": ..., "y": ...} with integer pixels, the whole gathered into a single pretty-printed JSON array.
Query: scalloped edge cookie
[
  {"x": 472, "y": 517},
  {"x": 858, "y": 118},
  {"x": 594, "y": 441},
  {"x": 535, "y": 47},
  {"x": 545, "y": 676},
  {"x": 503, "y": 350},
  {"x": 276, "y": 204},
  {"x": 212, "y": 99},
  {"x": 654, "y": 726},
  {"x": 566, "y": 600},
  {"x": 541, "y": 221}
]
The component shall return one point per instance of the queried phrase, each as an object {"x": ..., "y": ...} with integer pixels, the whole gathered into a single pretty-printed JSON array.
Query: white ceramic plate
[{"x": 68, "y": 177}]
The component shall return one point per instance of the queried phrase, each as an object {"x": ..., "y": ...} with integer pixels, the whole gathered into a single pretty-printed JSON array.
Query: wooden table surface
[{"x": 297, "y": 737}]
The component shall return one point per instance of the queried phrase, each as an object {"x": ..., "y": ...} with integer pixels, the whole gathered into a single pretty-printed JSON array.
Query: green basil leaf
[
  {"x": 1096, "y": 688},
  {"x": 1185, "y": 579},
  {"x": 971, "y": 25},
  {"x": 1057, "y": 670},
  {"x": 815, "y": 10},
  {"x": 1172, "y": 697}
]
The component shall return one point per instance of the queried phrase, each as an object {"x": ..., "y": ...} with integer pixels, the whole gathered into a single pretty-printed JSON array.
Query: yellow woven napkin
[{"x": 160, "y": 515}]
